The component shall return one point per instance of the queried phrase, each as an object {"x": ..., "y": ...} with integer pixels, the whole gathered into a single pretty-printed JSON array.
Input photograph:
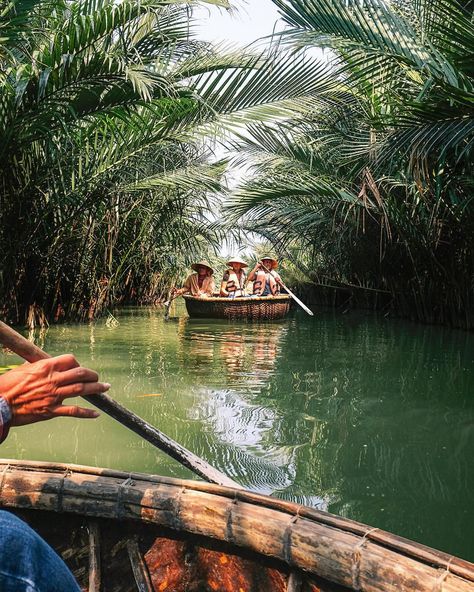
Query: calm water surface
[{"x": 368, "y": 418}]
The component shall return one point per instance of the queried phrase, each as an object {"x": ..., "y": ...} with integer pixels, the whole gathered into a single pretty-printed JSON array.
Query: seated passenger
[
  {"x": 235, "y": 279},
  {"x": 266, "y": 281},
  {"x": 200, "y": 284}
]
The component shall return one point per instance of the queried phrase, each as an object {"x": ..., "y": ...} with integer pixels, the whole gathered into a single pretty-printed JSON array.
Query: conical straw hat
[
  {"x": 237, "y": 260},
  {"x": 202, "y": 263},
  {"x": 272, "y": 259}
]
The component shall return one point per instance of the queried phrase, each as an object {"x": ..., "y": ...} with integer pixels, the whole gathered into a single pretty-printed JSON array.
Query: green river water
[{"x": 365, "y": 417}]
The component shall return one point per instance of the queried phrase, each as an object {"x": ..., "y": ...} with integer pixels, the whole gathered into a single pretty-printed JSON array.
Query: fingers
[
  {"x": 74, "y": 411},
  {"x": 78, "y": 374},
  {"x": 76, "y": 380},
  {"x": 63, "y": 363},
  {"x": 58, "y": 364},
  {"x": 80, "y": 389}
]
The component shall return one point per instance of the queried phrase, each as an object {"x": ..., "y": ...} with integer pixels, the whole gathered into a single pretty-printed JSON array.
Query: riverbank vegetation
[
  {"x": 371, "y": 184},
  {"x": 110, "y": 113}
]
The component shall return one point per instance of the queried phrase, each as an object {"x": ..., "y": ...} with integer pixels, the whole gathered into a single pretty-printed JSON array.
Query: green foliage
[
  {"x": 108, "y": 112},
  {"x": 372, "y": 178}
]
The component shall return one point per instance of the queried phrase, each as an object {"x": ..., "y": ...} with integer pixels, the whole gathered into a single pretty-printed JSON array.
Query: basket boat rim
[
  {"x": 120, "y": 479},
  {"x": 236, "y": 301}
]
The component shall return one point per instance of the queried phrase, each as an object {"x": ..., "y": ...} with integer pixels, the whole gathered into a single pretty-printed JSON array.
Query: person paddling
[
  {"x": 201, "y": 283},
  {"x": 234, "y": 279},
  {"x": 264, "y": 282}
]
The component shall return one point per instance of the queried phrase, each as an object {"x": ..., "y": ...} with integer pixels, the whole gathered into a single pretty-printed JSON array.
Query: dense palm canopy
[
  {"x": 372, "y": 178},
  {"x": 110, "y": 111},
  {"x": 107, "y": 113}
]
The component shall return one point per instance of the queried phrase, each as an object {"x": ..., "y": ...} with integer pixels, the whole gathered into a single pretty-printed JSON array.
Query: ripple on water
[{"x": 367, "y": 417}]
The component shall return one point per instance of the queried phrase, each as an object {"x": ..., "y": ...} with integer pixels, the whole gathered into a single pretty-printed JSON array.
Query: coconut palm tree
[
  {"x": 375, "y": 178},
  {"x": 106, "y": 113}
]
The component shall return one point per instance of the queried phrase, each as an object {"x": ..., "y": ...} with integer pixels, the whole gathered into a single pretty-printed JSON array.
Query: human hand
[{"x": 36, "y": 392}]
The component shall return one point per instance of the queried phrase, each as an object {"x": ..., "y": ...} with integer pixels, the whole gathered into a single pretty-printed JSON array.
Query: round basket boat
[
  {"x": 263, "y": 308},
  {"x": 129, "y": 531}
]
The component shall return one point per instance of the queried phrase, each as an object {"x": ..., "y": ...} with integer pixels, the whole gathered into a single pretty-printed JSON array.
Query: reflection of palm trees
[
  {"x": 244, "y": 359},
  {"x": 343, "y": 421},
  {"x": 371, "y": 413}
]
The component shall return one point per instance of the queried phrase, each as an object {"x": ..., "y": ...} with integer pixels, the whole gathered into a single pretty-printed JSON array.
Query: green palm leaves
[
  {"x": 375, "y": 177},
  {"x": 413, "y": 57},
  {"x": 108, "y": 117},
  {"x": 101, "y": 174},
  {"x": 110, "y": 112}
]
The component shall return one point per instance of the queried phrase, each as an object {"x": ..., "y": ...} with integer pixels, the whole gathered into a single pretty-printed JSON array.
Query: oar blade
[{"x": 303, "y": 306}]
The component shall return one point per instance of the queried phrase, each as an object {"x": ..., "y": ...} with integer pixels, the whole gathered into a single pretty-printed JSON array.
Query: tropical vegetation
[
  {"x": 360, "y": 160},
  {"x": 109, "y": 114},
  {"x": 370, "y": 183}
]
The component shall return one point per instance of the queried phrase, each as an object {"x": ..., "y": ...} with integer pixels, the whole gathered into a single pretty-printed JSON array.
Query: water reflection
[
  {"x": 238, "y": 352},
  {"x": 369, "y": 418},
  {"x": 244, "y": 358},
  {"x": 233, "y": 353}
]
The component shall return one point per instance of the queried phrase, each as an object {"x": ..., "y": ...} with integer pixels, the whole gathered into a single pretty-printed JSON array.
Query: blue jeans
[{"x": 27, "y": 563}]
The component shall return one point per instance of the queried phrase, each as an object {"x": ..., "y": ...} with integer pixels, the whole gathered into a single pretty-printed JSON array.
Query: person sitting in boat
[
  {"x": 266, "y": 281},
  {"x": 200, "y": 284},
  {"x": 234, "y": 280}
]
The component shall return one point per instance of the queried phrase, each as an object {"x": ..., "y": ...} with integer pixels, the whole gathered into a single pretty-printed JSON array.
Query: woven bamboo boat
[
  {"x": 251, "y": 309},
  {"x": 125, "y": 531}
]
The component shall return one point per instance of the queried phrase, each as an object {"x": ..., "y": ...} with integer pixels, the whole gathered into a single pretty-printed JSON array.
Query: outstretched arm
[
  {"x": 277, "y": 277},
  {"x": 179, "y": 292},
  {"x": 184, "y": 290}
]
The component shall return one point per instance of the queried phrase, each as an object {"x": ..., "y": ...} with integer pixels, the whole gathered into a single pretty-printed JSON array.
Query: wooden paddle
[
  {"x": 295, "y": 298},
  {"x": 31, "y": 353}
]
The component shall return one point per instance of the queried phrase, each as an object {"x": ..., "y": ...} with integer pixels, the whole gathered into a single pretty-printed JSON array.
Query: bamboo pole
[
  {"x": 295, "y": 582},
  {"x": 168, "y": 304},
  {"x": 9, "y": 469},
  {"x": 30, "y": 352},
  {"x": 139, "y": 568}
]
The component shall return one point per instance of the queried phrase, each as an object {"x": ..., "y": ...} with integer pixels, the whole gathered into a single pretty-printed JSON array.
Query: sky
[{"x": 251, "y": 20}]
